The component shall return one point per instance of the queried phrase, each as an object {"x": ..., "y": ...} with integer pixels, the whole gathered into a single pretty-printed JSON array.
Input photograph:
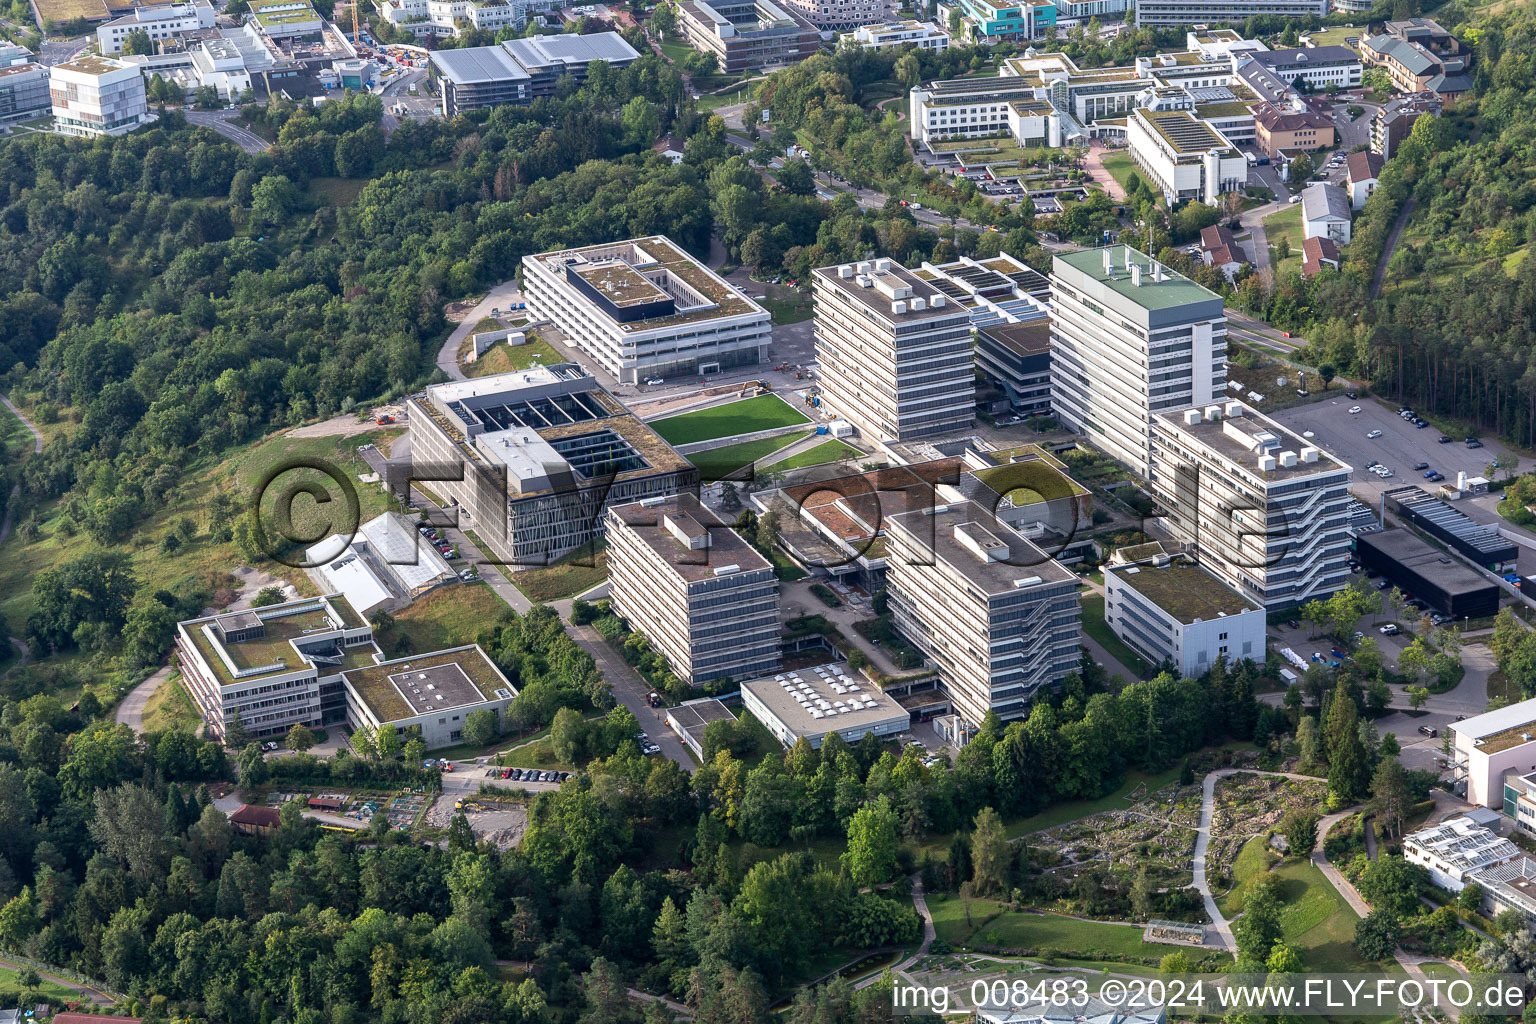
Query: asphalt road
[
  {"x": 222, "y": 121},
  {"x": 58, "y": 51}
]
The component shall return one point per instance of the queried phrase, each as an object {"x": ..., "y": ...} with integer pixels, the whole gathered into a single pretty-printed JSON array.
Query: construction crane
[{"x": 352, "y": 4}]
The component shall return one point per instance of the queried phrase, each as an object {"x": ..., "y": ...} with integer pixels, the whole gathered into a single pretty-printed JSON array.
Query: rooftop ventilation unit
[
  {"x": 845, "y": 271},
  {"x": 864, "y": 266},
  {"x": 898, "y": 307},
  {"x": 726, "y": 570},
  {"x": 1212, "y": 413},
  {"x": 1109, "y": 263},
  {"x": 1309, "y": 454},
  {"x": 652, "y": 502},
  {"x": 918, "y": 305},
  {"x": 1288, "y": 459},
  {"x": 1191, "y": 417},
  {"x": 882, "y": 264},
  {"x": 1234, "y": 410},
  {"x": 936, "y": 301},
  {"x": 1135, "y": 275},
  {"x": 1027, "y": 581},
  {"x": 1267, "y": 463},
  {"x": 865, "y": 281}
]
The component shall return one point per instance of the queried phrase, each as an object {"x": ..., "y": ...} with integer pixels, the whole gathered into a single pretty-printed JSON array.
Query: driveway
[
  {"x": 499, "y": 297},
  {"x": 131, "y": 711},
  {"x": 632, "y": 691}
]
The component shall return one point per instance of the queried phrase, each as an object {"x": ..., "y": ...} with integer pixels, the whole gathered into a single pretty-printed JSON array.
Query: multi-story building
[
  {"x": 1318, "y": 66},
  {"x": 705, "y": 598},
  {"x": 840, "y": 15},
  {"x": 1419, "y": 55},
  {"x": 1391, "y": 124},
  {"x": 1184, "y": 157},
  {"x": 924, "y": 35},
  {"x": 1291, "y": 127},
  {"x": 893, "y": 352},
  {"x": 1168, "y": 608},
  {"x": 1493, "y": 754},
  {"x": 1362, "y": 171},
  {"x": 747, "y": 34},
  {"x": 997, "y": 21},
  {"x": 644, "y": 308},
  {"x": 534, "y": 458},
  {"x": 1129, "y": 339},
  {"x": 275, "y": 667},
  {"x": 1188, "y": 12},
  {"x": 1264, "y": 510},
  {"x": 995, "y": 614},
  {"x": 521, "y": 70},
  {"x": 1325, "y": 212},
  {"x": 215, "y": 61},
  {"x": 162, "y": 23},
  {"x": 426, "y": 18},
  {"x": 287, "y": 19},
  {"x": 1017, "y": 357},
  {"x": 23, "y": 91},
  {"x": 429, "y": 694},
  {"x": 93, "y": 95}
]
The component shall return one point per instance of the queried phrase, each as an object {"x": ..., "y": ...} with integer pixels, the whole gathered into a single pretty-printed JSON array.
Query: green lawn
[
  {"x": 991, "y": 926},
  {"x": 1095, "y": 626},
  {"x": 1287, "y": 225},
  {"x": 788, "y": 311},
  {"x": 1072, "y": 810},
  {"x": 576, "y": 573},
  {"x": 443, "y": 618},
  {"x": 741, "y": 417},
  {"x": 827, "y": 451},
  {"x": 1120, "y": 166},
  {"x": 10, "y": 988},
  {"x": 718, "y": 463},
  {"x": 503, "y": 358},
  {"x": 337, "y": 192},
  {"x": 675, "y": 50},
  {"x": 171, "y": 708}
]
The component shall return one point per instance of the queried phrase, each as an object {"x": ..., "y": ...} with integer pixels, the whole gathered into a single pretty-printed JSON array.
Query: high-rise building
[
  {"x": 94, "y": 95},
  {"x": 893, "y": 352},
  {"x": 704, "y": 597},
  {"x": 997, "y": 615},
  {"x": 1265, "y": 511},
  {"x": 1129, "y": 339}
]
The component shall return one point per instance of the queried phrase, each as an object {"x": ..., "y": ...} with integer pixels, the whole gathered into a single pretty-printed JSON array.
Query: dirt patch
[
  {"x": 502, "y": 824},
  {"x": 349, "y": 423},
  {"x": 455, "y": 312}
]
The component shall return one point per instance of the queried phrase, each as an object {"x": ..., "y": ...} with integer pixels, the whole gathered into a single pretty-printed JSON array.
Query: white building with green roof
[
  {"x": 1169, "y": 608},
  {"x": 1130, "y": 338},
  {"x": 1183, "y": 156}
]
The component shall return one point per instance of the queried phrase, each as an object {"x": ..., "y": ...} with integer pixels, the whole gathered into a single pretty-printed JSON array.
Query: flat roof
[
  {"x": 1187, "y": 592},
  {"x": 854, "y": 508},
  {"x": 1411, "y": 551},
  {"x": 1521, "y": 715},
  {"x": 958, "y": 529},
  {"x": 316, "y": 619},
  {"x": 477, "y": 65},
  {"x": 663, "y": 525},
  {"x": 694, "y": 716},
  {"x": 422, "y": 684},
  {"x": 1245, "y": 438},
  {"x": 543, "y": 51},
  {"x": 1174, "y": 289},
  {"x": 92, "y": 64},
  {"x": 890, "y": 291},
  {"x": 1187, "y": 134},
  {"x": 824, "y": 699},
  {"x": 21, "y": 69}
]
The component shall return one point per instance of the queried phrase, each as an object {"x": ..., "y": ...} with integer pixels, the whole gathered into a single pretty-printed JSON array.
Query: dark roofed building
[
  {"x": 1219, "y": 249},
  {"x": 1392, "y": 123},
  {"x": 253, "y": 820},
  {"x": 1317, "y": 253},
  {"x": 1444, "y": 582},
  {"x": 1018, "y": 358}
]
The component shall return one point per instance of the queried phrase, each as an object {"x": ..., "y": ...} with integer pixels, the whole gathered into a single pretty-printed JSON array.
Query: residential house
[
  {"x": 251, "y": 820},
  {"x": 1317, "y": 253},
  {"x": 1325, "y": 212},
  {"x": 1360, "y": 181},
  {"x": 1219, "y": 249}
]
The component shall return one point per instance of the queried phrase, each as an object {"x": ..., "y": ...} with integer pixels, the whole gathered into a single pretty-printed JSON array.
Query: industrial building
[
  {"x": 274, "y": 667},
  {"x": 521, "y": 70},
  {"x": 1168, "y": 608},
  {"x": 748, "y": 34},
  {"x": 1263, "y": 509},
  {"x": 705, "y": 598},
  {"x": 1129, "y": 339},
  {"x": 893, "y": 352},
  {"x": 535, "y": 457},
  {"x": 1445, "y": 583},
  {"x": 1479, "y": 542},
  {"x": 386, "y": 564},
  {"x": 996, "y": 614},
  {"x": 690, "y": 718},
  {"x": 645, "y": 308},
  {"x": 815, "y": 702},
  {"x": 430, "y": 694},
  {"x": 93, "y": 95}
]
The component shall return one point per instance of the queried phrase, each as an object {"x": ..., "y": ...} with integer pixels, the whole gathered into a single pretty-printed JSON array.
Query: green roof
[
  {"x": 1187, "y": 592},
  {"x": 1173, "y": 290}
]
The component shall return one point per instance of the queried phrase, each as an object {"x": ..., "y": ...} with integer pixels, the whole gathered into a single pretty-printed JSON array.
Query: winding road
[{"x": 222, "y": 121}]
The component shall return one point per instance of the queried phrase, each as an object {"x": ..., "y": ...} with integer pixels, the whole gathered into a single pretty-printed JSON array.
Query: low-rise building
[
  {"x": 286, "y": 19},
  {"x": 645, "y": 308},
  {"x": 1318, "y": 253},
  {"x": 1320, "y": 67},
  {"x": 1169, "y": 608},
  {"x": 1510, "y": 886},
  {"x": 690, "y": 718},
  {"x": 1184, "y": 157},
  {"x": 1290, "y": 127},
  {"x": 1491, "y": 751},
  {"x": 386, "y": 564},
  {"x": 429, "y": 694},
  {"x": 254, "y": 820},
  {"x": 1325, "y": 212},
  {"x": 93, "y": 95},
  {"x": 747, "y": 34},
  {"x": 162, "y": 23},
  {"x": 705, "y": 598},
  {"x": 812, "y": 703},
  {"x": 1445, "y": 583},
  {"x": 535, "y": 457},
  {"x": 521, "y": 70},
  {"x": 1363, "y": 171},
  {"x": 1456, "y": 849},
  {"x": 996, "y": 614},
  {"x": 274, "y": 667},
  {"x": 924, "y": 35},
  {"x": 213, "y": 61},
  {"x": 1219, "y": 249}
]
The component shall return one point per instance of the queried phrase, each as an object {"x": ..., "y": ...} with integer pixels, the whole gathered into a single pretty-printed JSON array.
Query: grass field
[
  {"x": 827, "y": 451},
  {"x": 718, "y": 463},
  {"x": 741, "y": 417},
  {"x": 337, "y": 192},
  {"x": 171, "y": 708},
  {"x": 1095, "y": 626},
  {"x": 576, "y": 573},
  {"x": 1017, "y": 930},
  {"x": 503, "y": 358},
  {"x": 1287, "y": 225},
  {"x": 441, "y": 618},
  {"x": 788, "y": 311},
  {"x": 10, "y": 988},
  {"x": 1120, "y": 166}
]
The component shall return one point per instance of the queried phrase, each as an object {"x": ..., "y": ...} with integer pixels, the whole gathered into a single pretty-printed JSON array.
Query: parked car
[
  {"x": 1429, "y": 730},
  {"x": 1354, "y": 410},
  {"x": 269, "y": 745},
  {"x": 1351, "y": 394},
  {"x": 1373, "y": 434},
  {"x": 653, "y": 380},
  {"x": 1421, "y": 465},
  {"x": 1474, "y": 443},
  {"x": 385, "y": 420},
  {"x": 1443, "y": 439},
  {"x": 1390, "y": 629}
]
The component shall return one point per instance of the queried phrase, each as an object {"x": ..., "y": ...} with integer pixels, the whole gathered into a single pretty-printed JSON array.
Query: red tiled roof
[
  {"x": 1316, "y": 250},
  {"x": 1364, "y": 166},
  {"x": 71, "y": 1017},
  {"x": 261, "y": 817}
]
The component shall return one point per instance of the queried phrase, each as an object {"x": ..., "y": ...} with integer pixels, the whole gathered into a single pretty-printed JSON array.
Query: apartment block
[
  {"x": 1169, "y": 608},
  {"x": 93, "y": 95},
  {"x": 1265, "y": 511},
  {"x": 893, "y": 352},
  {"x": 161, "y": 22},
  {"x": 997, "y": 615},
  {"x": 747, "y": 34},
  {"x": 274, "y": 667},
  {"x": 645, "y": 308},
  {"x": 1130, "y": 339},
  {"x": 532, "y": 459},
  {"x": 703, "y": 596}
]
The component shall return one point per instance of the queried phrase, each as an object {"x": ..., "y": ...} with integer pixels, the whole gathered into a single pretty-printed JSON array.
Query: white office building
[
  {"x": 996, "y": 614},
  {"x": 1130, "y": 338},
  {"x": 1456, "y": 849},
  {"x": 705, "y": 598},
  {"x": 429, "y": 694},
  {"x": 813, "y": 703},
  {"x": 425, "y": 18},
  {"x": 215, "y": 62},
  {"x": 1264, "y": 510},
  {"x": 645, "y": 308},
  {"x": 1169, "y": 608},
  {"x": 161, "y": 22},
  {"x": 1178, "y": 13},
  {"x": 93, "y": 95},
  {"x": 1320, "y": 67},
  {"x": 893, "y": 352},
  {"x": 924, "y": 35},
  {"x": 1184, "y": 157}
]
